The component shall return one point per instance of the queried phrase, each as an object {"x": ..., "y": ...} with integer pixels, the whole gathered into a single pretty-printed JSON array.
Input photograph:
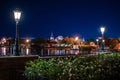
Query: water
[
  {"x": 5, "y": 51},
  {"x": 26, "y": 51},
  {"x": 60, "y": 52}
]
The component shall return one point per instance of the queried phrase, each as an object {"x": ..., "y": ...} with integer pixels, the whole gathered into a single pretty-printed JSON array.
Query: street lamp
[
  {"x": 17, "y": 15},
  {"x": 102, "y": 29}
]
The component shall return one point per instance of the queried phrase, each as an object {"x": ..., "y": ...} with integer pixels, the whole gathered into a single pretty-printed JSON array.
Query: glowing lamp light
[
  {"x": 102, "y": 29},
  {"x": 4, "y": 40},
  {"x": 103, "y": 40},
  {"x": 97, "y": 40},
  {"x": 17, "y": 15}
]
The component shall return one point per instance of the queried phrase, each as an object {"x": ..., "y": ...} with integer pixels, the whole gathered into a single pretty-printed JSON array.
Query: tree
[{"x": 114, "y": 42}]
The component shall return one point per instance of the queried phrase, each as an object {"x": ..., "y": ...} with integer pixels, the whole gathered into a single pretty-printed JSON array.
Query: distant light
[
  {"x": 27, "y": 40},
  {"x": 97, "y": 40},
  {"x": 3, "y": 40},
  {"x": 77, "y": 52},
  {"x": 103, "y": 40},
  {"x": 76, "y": 38}
]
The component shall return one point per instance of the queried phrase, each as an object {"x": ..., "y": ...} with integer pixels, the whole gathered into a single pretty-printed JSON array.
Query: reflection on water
[
  {"x": 76, "y": 52},
  {"x": 61, "y": 52},
  {"x": 26, "y": 51},
  {"x": 8, "y": 51},
  {"x": 3, "y": 50}
]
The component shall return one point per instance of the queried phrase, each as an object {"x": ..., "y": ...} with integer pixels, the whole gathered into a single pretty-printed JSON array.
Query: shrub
[{"x": 100, "y": 67}]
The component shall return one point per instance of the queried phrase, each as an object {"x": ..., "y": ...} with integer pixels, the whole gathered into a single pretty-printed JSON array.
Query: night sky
[{"x": 62, "y": 17}]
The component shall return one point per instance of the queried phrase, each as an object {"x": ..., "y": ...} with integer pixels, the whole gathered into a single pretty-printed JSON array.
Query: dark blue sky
[{"x": 62, "y": 17}]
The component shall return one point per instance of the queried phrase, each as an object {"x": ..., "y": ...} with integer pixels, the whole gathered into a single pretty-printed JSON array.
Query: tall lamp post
[
  {"x": 97, "y": 45},
  {"x": 102, "y": 29},
  {"x": 17, "y": 15}
]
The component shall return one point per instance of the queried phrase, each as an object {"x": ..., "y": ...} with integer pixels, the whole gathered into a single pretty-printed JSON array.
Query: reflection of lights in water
[
  {"x": 4, "y": 50},
  {"x": 76, "y": 52},
  {"x": 63, "y": 52},
  {"x": 27, "y": 51}
]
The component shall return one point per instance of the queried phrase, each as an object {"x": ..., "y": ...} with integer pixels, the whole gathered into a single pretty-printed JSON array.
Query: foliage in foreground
[{"x": 100, "y": 67}]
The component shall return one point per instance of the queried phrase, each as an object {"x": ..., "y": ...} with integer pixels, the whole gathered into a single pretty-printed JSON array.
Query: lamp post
[
  {"x": 97, "y": 44},
  {"x": 17, "y": 15},
  {"x": 102, "y": 29}
]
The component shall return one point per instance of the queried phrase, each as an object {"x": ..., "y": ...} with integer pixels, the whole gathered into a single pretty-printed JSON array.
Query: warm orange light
[
  {"x": 27, "y": 40},
  {"x": 76, "y": 38}
]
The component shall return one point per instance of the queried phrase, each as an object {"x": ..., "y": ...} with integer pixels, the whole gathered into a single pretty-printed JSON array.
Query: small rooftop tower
[
  {"x": 83, "y": 39},
  {"x": 51, "y": 37}
]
